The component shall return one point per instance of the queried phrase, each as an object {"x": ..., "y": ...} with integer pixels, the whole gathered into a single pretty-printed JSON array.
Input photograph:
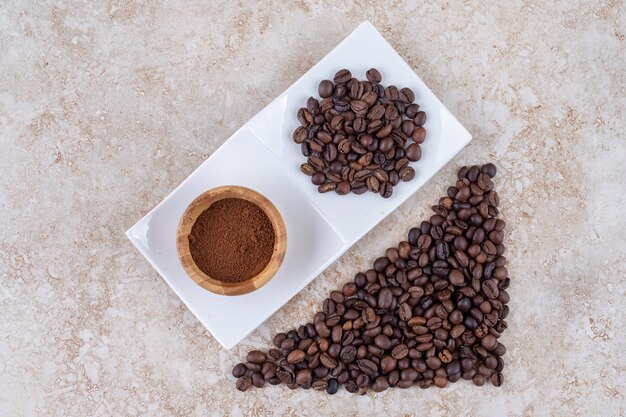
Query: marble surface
[{"x": 106, "y": 106}]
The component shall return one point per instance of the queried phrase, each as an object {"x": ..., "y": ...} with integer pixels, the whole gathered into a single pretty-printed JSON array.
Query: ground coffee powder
[{"x": 232, "y": 240}]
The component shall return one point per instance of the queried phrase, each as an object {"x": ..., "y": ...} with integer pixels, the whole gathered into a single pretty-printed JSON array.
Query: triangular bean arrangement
[{"x": 429, "y": 312}]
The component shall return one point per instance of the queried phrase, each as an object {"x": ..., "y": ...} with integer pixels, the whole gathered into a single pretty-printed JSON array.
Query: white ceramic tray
[{"x": 320, "y": 227}]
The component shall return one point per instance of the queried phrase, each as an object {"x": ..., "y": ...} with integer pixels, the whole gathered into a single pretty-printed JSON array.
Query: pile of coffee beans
[
  {"x": 429, "y": 312},
  {"x": 356, "y": 138}
]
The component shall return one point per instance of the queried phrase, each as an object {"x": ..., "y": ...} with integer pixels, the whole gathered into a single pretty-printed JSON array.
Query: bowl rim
[{"x": 202, "y": 203}]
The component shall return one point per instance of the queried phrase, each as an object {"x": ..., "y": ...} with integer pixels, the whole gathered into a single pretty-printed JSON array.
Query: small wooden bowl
[{"x": 203, "y": 202}]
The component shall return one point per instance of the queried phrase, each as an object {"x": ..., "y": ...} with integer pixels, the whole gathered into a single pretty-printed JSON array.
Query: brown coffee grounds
[{"x": 232, "y": 240}]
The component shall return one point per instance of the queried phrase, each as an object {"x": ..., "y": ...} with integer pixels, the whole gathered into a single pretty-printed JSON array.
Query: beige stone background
[{"x": 106, "y": 106}]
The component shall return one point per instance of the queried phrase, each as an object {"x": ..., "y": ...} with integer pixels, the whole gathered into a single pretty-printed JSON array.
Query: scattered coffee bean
[
  {"x": 429, "y": 312},
  {"x": 256, "y": 356},
  {"x": 244, "y": 383},
  {"x": 333, "y": 386},
  {"x": 357, "y": 137},
  {"x": 239, "y": 370}
]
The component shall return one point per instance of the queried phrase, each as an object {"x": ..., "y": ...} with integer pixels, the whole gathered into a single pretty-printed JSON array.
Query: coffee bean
[
  {"x": 490, "y": 289},
  {"x": 319, "y": 385},
  {"x": 388, "y": 364},
  {"x": 348, "y": 354},
  {"x": 334, "y": 349},
  {"x": 484, "y": 182},
  {"x": 359, "y": 106},
  {"x": 400, "y": 351},
  {"x": 244, "y": 383},
  {"x": 497, "y": 379},
  {"x": 373, "y": 75},
  {"x": 327, "y": 361},
  {"x": 254, "y": 367},
  {"x": 382, "y": 342},
  {"x": 296, "y": 356},
  {"x": 304, "y": 377},
  {"x": 380, "y": 384},
  {"x": 456, "y": 278},
  {"x": 257, "y": 380},
  {"x": 256, "y": 356},
  {"x": 325, "y": 89},
  {"x": 407, "y": 174},
  {"x": 489, "y": 342},
  {"x": 489, "y": 169},
  {"x": 385, "y": 297},
  {"x": 407, "y": 95},
  {"x": 300, "y": 135},
  {"x": 343, "y": 188},
  {"x": 342, "y": 76},
  {"x": 333, "y": 386},
  {"x": 239, "y": 370},
  {"x": 318, "y": 178},
  {"x": 405, "y": 313},
  {"x": 367, "y": 366},
  {"x": 434, "y": 323}
]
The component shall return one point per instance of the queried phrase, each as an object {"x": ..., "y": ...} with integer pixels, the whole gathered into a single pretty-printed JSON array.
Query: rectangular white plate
[{"x": 320, "y": 227}]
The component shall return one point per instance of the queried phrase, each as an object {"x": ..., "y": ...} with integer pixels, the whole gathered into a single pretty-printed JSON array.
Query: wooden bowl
[{"x": 203, "y": 202}]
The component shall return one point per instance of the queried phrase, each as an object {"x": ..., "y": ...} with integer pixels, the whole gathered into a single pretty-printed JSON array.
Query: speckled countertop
[{"x": 106, "y": 106}]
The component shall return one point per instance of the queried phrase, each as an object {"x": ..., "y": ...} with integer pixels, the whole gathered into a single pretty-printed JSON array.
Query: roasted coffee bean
[
  {"x": 325, "y": 89},
  {"x": 254, "y": 367},
  {"x": 359, "y": 106},
  {"x": 257, "y": 380},
  {"x": 489, "y": 169},
  {"x": 419, "y": 119},
  {"x": 300, "y": 135},
  {"x": 400, "y": 351},
  {"x": 279, "y": 338},
  {"x": 334, "y": 349},
  {"x": 319, "y": 385},
  {"x": 333, "y": 386},
  {"x": 342, "y": 76},
  {"x": 497, "y": 379},
  {"x": 328, "y": 361},
  {"x": 343, "y": 188},
  {"x": 244, "y": 383},
  {"x": 388, "y": 364},
  {"x": 456, "y": 277},
  {"x": 407, "y": 174},
  {"x": 367, "y": 366},
  {"x": 356, "y": 91},
  {"x": 330, "y": 152},
  {"x": 239, "y": 370},
  {"x": 304, "y": 377},
  {"x": 380, "y": 384},
  {"x": 490, "y": 289},
  {"x": 405, "y": 313},
  {"x": 318, "y": 178},
  {"x": 369, "y": 97},
  {"x": 373, "y": 184},
  {"x": 373, "y": 75},
  {"x": 296, "y": 356},
  {"x": 351, "y": 386},
  {"x": 385, "y": 297},
  {"x": 307, "y": 169},
  {"x": 329, "y": 186},
  {"x": 348, "y": 354},
  {"x": 489, "y": 342},
  {"x": 382, "y": 341},
  {"x": 256, "y": 356}
]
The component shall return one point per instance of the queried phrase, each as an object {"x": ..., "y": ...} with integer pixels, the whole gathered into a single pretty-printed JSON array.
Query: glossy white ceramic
[{"x": 320, "y": 227}]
